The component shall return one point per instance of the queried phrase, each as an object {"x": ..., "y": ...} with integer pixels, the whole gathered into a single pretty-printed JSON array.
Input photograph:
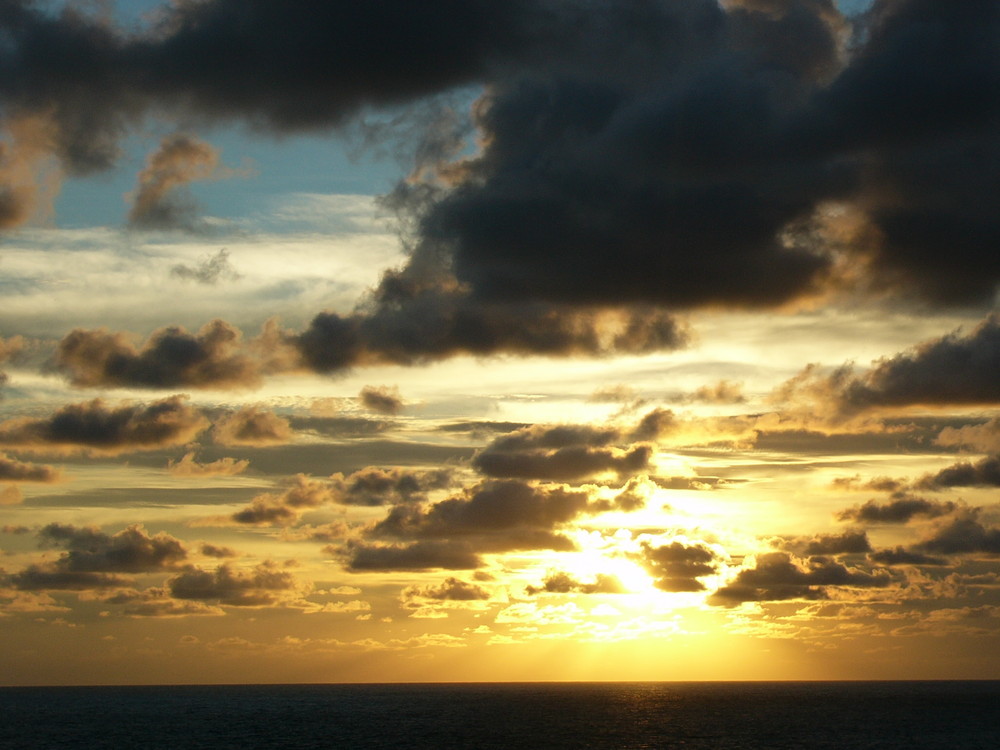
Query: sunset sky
[{"x": 383, "y": 340}]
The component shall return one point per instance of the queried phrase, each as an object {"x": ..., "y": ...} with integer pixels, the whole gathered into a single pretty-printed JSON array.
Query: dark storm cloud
[
  {"x": 777, "y": 577},
  {"x": 12, "y": 470},
  {"x": 560, "y": 582},
  {"x": 94, "y": 427},
  {"x": 378, "y": 486},
  {"x": 381, "y": 399},
  {"x": 898, "y": 510},
  {"x": 170, "y": 358},
  {"x": 677, "y": 153},
  {"x": 677, "y": 566},
  {"x": 263, "y": 585}
]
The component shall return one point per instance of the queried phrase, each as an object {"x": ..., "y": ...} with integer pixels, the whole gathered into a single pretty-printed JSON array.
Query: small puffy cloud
[
  {"x": 567, "y": 464},
  {"x": 12, "y": 470},
  {"x": 678, "y": 566},
  {"x": 214, "y": 550},
  {"x": 48, "y": 578},
  {"x": 381, "y": 399},
  {"x": 188, "y": 466},
  {"x": 131, "y": 550},
  {"x": 214, "y": 357},
  {"x": 94, "y": 427},
  {"x": 158, "y": 201},
  {"x": 655, "y": 424},
  {"x": 156, "y": 602},
  {"x": 495, "y": 516},
  {"x": 449, "y": 590},
  {"x": 253, "y": 426},
  {"x": 901, "y": 556},
  {"x": 284, "y": 508},
  {"x": 263, "y": 585},
  {"x": 723, "y": 392},
  {"x": 209, "y": 271},
  {"x": 561, "y": 453},
  {"x": 415, "y": 556},
  {"x": 849, "y": 542},
  {"x": 379, "y": 486},
  {"x": 94, "y": 560},
  {"x": 898, "y": 510},
  {"x": 984, "y": 436},
  {"x": 777, "y": 576},
  {"x": 560, "y": 582}
]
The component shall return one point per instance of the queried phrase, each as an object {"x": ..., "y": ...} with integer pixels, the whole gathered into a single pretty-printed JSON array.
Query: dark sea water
[{"x": 954, "y": 715}]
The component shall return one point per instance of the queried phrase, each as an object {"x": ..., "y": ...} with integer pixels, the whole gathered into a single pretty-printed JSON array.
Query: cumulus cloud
[
  {"x": 381, "y": 399},
  {"x": 678, "y": 566},
  {"x": 500, "y": 515},
  {"x": 963, "y": 534},
  {"x": 263, "y": 585},
  {"x": 562, "y": 453},
  {"x": 254, "y": 426},
  {"x": 560, "y": 582},
  {"x": 215, "y": 357},
  {"x": 92, "y": 559},
  {"x": 94, "y": 427},
  {"x": 284, "y": 508},
  {"x": 846, "y": 543},
  {"x": 416, "y": 556},
  {"x": 564, "y": 464},
  {"x": 188, "y": 466},
  {"x": 982, "y": 473},
  {"x": 379, "y": 486},
  {"x": 12, "y": 470},
  {"x": 131, "y": 550},
  {"x": 955, "y": 369},
  {"x": 898, "y": 510},
  {"x": 490, "y": 517},
  {"x": 449, "y": 590},
  {"x": 901, "y": 556},
  {"x": 778, "y": 576},
  {"x": 984, "y": 436}
]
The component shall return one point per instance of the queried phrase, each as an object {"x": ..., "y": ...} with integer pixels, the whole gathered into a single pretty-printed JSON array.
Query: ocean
[{"x": 843, "y": 715}]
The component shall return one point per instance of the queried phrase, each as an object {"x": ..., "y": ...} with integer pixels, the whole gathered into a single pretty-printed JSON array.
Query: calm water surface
[{"x": 953, "y": 715}]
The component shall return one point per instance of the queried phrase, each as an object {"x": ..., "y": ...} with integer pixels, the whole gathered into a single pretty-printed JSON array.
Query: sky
[{"x": 476, "y": 341}]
